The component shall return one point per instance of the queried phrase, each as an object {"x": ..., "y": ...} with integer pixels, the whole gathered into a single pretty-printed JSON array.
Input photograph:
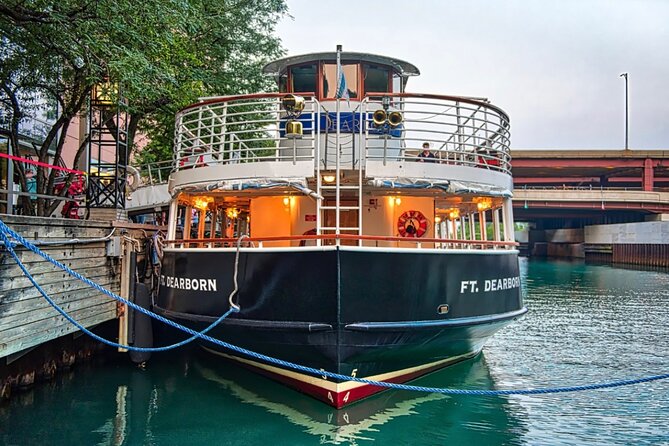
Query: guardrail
[
  {"x": 242, "y": 129},
  {"x": 459, "y": 130},
  {"x": 303, "y": 239},
  {"x": 251, "y": 128}
]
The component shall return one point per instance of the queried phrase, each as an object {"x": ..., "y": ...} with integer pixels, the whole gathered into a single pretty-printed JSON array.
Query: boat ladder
[{"x": 341, "y": 197}]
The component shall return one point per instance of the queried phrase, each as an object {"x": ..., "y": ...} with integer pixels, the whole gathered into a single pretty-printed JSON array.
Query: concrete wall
[
  {"x": 564, "y": 235},
  {"x": 649, "y": 232}
]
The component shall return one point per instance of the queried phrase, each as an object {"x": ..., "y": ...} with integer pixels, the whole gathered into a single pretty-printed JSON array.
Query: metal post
[
  {"x": 626, "y": 113},
  {"x": 337, "y": 184},
  {"x": 10, "y": 178}
]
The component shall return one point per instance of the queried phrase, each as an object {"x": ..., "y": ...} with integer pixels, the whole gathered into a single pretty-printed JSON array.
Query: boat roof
[{"x": 405, "y": 69}]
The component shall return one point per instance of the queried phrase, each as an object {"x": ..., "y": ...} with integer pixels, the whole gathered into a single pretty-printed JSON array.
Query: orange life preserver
[{"x": 412, "y": 224}]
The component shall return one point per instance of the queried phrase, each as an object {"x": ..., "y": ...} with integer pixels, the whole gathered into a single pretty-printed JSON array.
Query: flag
[{"x": 342, "y": 89}]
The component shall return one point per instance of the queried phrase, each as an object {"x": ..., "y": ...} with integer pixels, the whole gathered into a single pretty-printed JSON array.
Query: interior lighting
[
  {"x": 453, "y": 214},
  {"x": 483, "y": 204},
  {"x": 232, "y": 213},
  {"x": 328, "y": 178},
  {"x": 437, "y": 219},
  {"x": 286, "y": 201},
  {"x": 202, "y": 203},
  {"x": 398, "y": 201}
]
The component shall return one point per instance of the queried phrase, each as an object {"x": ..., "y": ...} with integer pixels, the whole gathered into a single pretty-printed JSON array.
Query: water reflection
[{"x": 380, "y": 417}]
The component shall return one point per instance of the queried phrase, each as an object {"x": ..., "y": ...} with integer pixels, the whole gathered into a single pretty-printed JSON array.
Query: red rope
[{"x": 40, "y": 164}]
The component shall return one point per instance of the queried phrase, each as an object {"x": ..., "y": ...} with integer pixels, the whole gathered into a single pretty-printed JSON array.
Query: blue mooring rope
[{"x": 5, "y": 231}]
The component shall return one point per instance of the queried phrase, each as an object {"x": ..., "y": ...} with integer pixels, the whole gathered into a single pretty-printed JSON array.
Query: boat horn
[
  {"x": 379, "y": 117},
  {"x": 394, "y": 118}
]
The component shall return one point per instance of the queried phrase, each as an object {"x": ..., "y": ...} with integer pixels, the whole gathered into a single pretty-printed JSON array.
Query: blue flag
[{"x": 342, "y": 89}]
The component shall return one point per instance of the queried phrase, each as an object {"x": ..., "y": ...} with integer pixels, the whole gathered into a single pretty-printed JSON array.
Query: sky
[{"x": 553, "y": 66}]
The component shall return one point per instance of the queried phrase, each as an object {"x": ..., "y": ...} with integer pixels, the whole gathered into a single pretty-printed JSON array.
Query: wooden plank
[
  {"x": 44, "y": 310},
  {"x": 11, "y": 220},
  {"x": 53, "y": 288},
  {"x": 32, "y": 232},
  {"x": 60, "y": 253},
  {"x": 56, "y": 277},
  {"x": 42, "y": 268},
  {"x": 53, "y": 322},
  {"x": 36, "y": 303},
  {"x": 146, "y": 227},
  {"x": 32, "y": 339}
]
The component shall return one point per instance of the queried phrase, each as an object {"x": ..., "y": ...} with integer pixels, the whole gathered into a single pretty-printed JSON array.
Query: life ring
[
  {"x": 412, "y": 224},
  {"x": 133, "y": 178}
]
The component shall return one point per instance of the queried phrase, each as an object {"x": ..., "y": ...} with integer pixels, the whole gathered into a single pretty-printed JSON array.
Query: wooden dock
[{"x": 27, "y": 320}]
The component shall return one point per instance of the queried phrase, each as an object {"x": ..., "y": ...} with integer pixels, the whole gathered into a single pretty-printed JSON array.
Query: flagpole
[{"x": 337, "y": 154}]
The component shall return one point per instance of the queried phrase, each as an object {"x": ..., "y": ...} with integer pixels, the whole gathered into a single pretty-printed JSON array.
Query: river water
[{"x": 586, "y": 324}]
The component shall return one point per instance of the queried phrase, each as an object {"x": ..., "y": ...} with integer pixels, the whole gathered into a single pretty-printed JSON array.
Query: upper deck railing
[{"x": 251, "y": 128}]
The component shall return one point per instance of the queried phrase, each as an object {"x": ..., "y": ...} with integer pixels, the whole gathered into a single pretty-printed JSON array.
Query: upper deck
[{"x": 379, "y": 130}]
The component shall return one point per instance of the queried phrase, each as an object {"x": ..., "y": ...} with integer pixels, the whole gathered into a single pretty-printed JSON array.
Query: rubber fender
[{"x": 141, "y": 325}]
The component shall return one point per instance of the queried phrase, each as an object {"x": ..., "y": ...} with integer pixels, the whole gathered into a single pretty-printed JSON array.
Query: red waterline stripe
[{"x": 41, "y": 164}]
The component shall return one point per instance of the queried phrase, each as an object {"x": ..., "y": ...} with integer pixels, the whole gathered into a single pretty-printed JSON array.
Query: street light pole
[{"x": 626, "y": 113}]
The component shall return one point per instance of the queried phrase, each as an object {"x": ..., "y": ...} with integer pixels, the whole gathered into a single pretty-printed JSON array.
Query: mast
[{"x": 340, "y": 75}]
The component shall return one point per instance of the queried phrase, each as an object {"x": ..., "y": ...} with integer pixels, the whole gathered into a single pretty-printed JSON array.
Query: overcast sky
[{"x": 553, "y": 66}]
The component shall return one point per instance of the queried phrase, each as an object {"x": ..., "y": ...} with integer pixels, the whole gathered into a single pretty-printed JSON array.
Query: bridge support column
[{"x": 648, "y": 178}]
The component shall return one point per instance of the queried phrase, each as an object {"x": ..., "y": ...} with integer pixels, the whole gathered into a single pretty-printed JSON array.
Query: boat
[{"x": 361, "y": 229}]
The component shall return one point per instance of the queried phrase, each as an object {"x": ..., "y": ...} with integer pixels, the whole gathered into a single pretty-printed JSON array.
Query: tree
[{"x": 164, "y": 54}]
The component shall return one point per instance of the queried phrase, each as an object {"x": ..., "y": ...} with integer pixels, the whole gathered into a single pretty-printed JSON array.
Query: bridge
[
  {"x": 609, "y": 205},
  {"x": 590, "y": 186}
]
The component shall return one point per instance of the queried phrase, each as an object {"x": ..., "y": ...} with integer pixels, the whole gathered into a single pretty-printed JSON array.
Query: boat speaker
[
  {"x": 395, "y": 118},
  {"x": 293, "y": 129},
  {"x": 379, "y": 117}
]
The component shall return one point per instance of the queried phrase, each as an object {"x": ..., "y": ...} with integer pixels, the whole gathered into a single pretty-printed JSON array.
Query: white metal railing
[
  {"x": 250, "y": 128},
  {"x": 459, "y": 130},
  {"x": 242, "y": 129}
]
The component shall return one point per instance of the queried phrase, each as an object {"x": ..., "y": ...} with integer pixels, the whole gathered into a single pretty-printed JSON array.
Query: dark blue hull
[{"x": 369, "y": 313}]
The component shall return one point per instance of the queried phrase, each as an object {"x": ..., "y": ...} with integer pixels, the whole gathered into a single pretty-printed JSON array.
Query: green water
[{"x": 586, "y": 324}]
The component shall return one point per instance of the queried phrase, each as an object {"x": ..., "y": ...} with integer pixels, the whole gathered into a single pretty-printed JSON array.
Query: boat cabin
[{"x": 342, "y": 156}]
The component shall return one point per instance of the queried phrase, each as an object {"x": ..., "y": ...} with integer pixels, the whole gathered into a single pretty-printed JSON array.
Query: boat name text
[
  {"x": 503, "y": 283},
  {"x": 184, "y": 283}
]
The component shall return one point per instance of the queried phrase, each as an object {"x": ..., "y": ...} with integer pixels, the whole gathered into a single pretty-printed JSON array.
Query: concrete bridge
[
  {"x": 609, "y": 205},
  {"x": 627, "y": 185}
]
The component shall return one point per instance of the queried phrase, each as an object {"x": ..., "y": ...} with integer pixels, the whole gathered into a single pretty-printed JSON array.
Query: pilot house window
[
  {"x": 303, "y": 78},
  {"x": 330, "y": 80},
  {"x": 375, "y": 78}
]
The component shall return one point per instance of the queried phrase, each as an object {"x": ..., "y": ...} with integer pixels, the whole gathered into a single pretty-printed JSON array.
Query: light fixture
[
  {"x": 437, "y": 219},
  {"x": 398, "y": 201},
  {"x": 232, "y": 213},
  {"x": 329, "y": 178},
  {"x": 483, "y": 203},
  {"x": 453, "y": 214},
  {"x": 286, "y": 201},
  {"x": 202, "y": 203}
]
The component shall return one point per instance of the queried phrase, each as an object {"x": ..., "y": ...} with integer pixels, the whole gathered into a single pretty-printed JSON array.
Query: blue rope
[{"x": 5, "y": 230}]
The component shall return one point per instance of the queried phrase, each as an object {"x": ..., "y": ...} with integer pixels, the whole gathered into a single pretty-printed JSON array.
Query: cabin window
[
  {"x": 303, "y": 78},
  {"x": 375, "y": 78},
  {"x": 283, "y": 82},
  {"x": 330, "y": 80}
]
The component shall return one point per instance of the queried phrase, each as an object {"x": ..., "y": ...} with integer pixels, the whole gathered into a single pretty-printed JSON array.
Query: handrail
[
  {"x": 243, "y": 96},
  {"x": 344, "y": 237},
  {"x": 441, "y": 97}
]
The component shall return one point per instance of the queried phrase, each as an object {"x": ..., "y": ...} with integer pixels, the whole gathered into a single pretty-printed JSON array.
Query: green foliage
[{"x": 164, "y": 53}]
